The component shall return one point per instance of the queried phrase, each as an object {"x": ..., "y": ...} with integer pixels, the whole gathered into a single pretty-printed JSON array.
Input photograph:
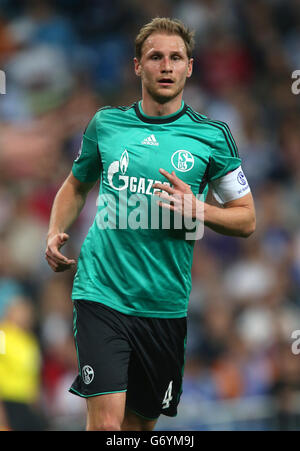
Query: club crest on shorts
[
  {"x": 87, "y": 374},
  {"x": 182, "y": 160}
]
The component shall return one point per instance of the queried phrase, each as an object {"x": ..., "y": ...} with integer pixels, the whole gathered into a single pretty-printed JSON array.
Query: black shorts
[{"x": 143, "y": 357}]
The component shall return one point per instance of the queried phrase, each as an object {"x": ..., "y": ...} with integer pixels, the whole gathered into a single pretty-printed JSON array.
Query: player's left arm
[{"x": 235, "y": 217}]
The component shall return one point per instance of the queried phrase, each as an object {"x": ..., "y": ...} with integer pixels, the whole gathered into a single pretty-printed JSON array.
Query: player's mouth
[{"x": 165, "y": 82}]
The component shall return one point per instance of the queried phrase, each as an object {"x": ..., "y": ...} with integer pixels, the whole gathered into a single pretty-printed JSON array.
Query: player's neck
[{"x": 153, "y": 108}]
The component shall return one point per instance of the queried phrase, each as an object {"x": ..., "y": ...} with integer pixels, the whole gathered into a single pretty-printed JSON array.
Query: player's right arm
[
  {"x": 66, "y": 208},
  {"x": 71, "y": 197}
]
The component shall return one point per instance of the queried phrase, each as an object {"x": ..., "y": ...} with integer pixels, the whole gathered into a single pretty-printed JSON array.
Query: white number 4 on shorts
[{"x": 168, "y": 396}]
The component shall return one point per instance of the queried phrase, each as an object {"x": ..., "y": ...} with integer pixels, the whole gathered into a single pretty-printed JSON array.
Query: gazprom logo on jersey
[
  {"x": 119, "y": 181},
  {"x": 182, "y": 160}
]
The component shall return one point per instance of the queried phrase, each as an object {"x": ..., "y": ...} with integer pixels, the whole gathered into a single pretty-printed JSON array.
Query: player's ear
[
  {"x": 137, "y": 67},
  {"x": 190, "y": 67}
]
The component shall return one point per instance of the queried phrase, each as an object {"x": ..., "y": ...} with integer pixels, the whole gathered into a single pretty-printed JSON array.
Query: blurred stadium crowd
[{"x": 64, "y": 59}]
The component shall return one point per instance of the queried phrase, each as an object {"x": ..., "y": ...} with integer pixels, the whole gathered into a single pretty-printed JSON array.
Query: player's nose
[{"x": 166, "y": 65}]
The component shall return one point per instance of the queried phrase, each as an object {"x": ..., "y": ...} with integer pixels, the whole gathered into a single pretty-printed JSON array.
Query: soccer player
[{"x": 132, "y": 284}]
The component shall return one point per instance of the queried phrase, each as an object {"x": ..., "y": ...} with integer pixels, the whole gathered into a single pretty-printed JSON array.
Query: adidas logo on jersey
[{"x": 151, "y": 141}]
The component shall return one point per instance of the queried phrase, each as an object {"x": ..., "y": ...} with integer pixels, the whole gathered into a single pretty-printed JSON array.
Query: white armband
[{"x": 230, "y": 187}]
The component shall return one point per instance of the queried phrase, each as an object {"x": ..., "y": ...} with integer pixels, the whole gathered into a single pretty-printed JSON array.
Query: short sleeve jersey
[{"x": 129, "y": 261}]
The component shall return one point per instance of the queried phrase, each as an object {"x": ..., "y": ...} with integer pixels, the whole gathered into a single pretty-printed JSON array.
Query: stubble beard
[{"x": 161, "y": 98}]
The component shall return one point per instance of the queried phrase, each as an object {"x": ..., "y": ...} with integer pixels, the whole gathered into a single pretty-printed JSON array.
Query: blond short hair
[{"x": 167, "y": 26}]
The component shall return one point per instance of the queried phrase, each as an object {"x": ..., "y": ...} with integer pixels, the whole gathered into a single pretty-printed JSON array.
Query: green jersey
[{"x": 143, "y": 270}]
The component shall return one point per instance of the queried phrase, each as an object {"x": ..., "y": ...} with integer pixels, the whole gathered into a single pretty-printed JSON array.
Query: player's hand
[
  {"x": 179, "y": 196},
  {"x": 56, "y": 260}
]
